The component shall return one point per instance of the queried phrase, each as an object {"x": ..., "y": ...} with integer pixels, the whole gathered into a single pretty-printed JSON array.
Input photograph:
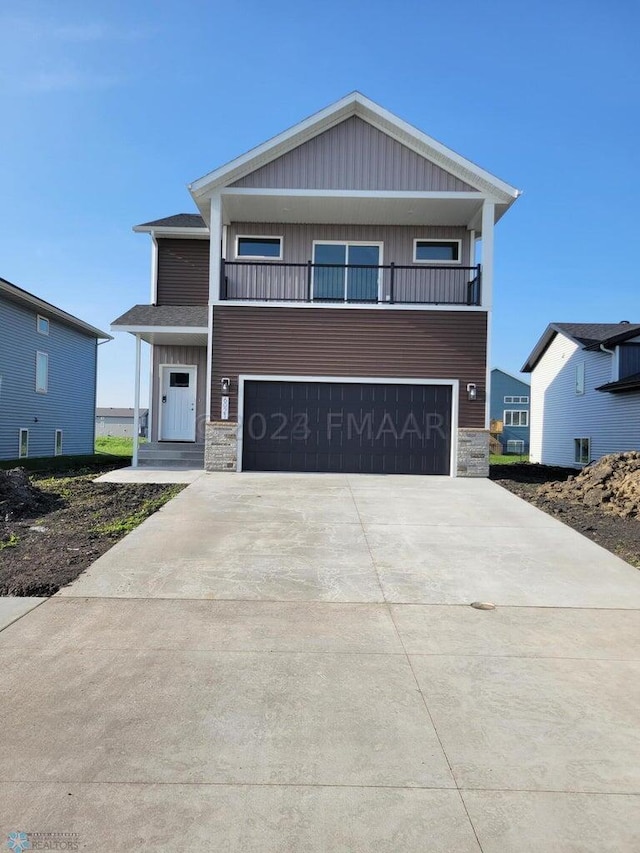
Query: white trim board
[{"x": 355, "y": 380}]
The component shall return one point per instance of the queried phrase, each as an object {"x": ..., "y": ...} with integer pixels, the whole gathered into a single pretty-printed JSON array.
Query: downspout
[
  {"x": 614, "y": 363},
  {"x": 95, "y": 390}
]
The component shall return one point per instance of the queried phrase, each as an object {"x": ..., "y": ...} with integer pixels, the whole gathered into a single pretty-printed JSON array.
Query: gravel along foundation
[{"x": 53, "y": 527}]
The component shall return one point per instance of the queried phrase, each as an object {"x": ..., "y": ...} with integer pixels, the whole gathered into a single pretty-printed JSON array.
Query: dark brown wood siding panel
[
  {"x": 180, "y": 355},
  {"x": 357, "y": 342},
  {"x": 183, "y": 272}
]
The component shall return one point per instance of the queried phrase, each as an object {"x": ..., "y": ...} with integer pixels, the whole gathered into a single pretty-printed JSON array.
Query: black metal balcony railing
[{"x": 274, "y": 281}]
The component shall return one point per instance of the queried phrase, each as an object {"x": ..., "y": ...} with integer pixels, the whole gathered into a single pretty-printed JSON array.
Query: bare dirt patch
[
  {"x": 52, "y": 527},
  {"x": 601, "y": 502}
]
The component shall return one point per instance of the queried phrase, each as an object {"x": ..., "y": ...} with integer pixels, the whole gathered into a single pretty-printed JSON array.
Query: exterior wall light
[
  {"x": 225, "y": 385},
  {"x": 472, "y": 391}
]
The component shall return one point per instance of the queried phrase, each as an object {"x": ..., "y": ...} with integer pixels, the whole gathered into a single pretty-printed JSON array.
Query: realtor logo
[{"x": 18, "y": 841}]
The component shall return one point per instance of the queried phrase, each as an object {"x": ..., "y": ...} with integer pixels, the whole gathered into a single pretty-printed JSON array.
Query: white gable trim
[{"x": 358, "y": 105}]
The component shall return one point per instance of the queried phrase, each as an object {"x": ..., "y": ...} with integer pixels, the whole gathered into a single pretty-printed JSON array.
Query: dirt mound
[
  {"x": 611, "y": 484},
  {"x": 18, "y": 496}
]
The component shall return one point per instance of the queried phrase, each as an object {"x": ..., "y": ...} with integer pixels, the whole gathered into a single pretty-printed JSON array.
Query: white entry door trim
[{"x": 177, "y": 402}]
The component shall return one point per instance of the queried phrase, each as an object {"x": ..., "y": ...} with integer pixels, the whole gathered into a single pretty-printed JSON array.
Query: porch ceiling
[{"x": 351, "y": 209}]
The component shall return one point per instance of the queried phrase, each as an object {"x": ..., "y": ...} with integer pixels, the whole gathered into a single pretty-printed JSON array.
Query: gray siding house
[
  {"x": 325, "y": 309},
  {"x": 48, "y": 361},
  {"x": 116, "y": 422}
]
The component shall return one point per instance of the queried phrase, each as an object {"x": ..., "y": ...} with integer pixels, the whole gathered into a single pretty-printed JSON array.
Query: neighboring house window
[
  {"x": 515, "y": 445},
  {"x": 437, "y": 251},
  {"x": 582, "y": 449},
  {"x": 516, "y": 417},
  {"x": 58, "y": 443},
  {"x": 259, "y": 248},
  {"x": 43, "y": 325},
  {"x": 42, "y": 372},
  {"x": 23, "y": 447},
  {"x": 516, "y": 399},
  {"x": 580, "y": 378}
]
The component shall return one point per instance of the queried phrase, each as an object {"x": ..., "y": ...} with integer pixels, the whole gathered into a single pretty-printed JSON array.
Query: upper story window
[
  {"x": 427, "y": 251},
  {"x": 628, "y": 360},
  {"x": 516, "y": 399},
  {"x": 42, "y": 324},
  {"x": 42, "y": 372},
  {"x": 259, "y": 248},
  {"x": 516, "y": 417},
  {"x": 580, "y": 378}
]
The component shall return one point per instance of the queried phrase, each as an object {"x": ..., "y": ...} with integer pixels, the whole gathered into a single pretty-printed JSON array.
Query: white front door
[{"x": 178, "y": 403}]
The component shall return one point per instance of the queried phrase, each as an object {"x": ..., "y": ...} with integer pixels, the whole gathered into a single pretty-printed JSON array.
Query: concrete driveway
[{"x": 290, "y": 663}]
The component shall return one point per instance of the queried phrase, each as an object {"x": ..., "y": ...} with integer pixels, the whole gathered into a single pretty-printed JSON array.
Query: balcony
[{"x": 389, "y": 284}]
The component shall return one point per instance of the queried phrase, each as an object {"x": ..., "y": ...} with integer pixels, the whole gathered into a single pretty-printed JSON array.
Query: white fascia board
[
  {"x": 46, "y": 308},
  {"x": 172, "y": 330},
  {"x": 165, "y": 231},
  {"x": 387, "y": 122}
]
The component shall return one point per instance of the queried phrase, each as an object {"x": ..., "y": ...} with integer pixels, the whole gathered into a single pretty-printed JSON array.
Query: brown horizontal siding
[
  {"x": 183, "y": 272},
  {"x": 356, "y": 342}
]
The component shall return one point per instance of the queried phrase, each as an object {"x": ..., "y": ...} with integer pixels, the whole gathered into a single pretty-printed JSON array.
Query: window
[
  {"x": 58, "y": 443},
  {"x": 346, "y": 271},
  {"x": 42, "y": 325},
  {"x": 259, "y": 247},
  {"x": 178, "y": 380},
  {"x": 515, "y": 445},
  {"x": 516, "y": 417},
  {"x": 23, "y": 445},
  {"x": 580, "y": 378},
  {"x": 437, "y": 251},
  {"x": 42, "y": 372},
  {"x": 516, "y": 399},
  {"x": 582, "y": 450}
]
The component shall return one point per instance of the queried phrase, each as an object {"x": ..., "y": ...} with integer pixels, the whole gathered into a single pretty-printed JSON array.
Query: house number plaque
[{"x": 224, "y": 413}]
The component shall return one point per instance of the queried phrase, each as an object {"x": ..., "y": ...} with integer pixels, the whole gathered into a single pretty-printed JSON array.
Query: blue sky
[{"x": 110, "y": 108}]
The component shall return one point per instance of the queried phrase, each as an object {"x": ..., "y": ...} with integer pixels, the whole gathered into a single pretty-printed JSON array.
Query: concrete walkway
[{"x": 290, "y": 663}]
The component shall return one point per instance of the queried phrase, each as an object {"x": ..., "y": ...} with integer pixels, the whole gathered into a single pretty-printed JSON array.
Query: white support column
[
  {"x": 488, "y": 223},
  {"x": 136, "y": 406},
  {"x": 154, "y": 269},
  {"x": 472, "y": 248},
  {"x": 215, "y": 256}
]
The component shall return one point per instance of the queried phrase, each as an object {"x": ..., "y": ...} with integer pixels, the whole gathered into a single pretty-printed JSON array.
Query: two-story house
[
  {"x": 327, "y": 309},
  {"x": 510, "y": 400},
  {"x": 585, "y": 392},
  {"x": 48, "y": 364}
]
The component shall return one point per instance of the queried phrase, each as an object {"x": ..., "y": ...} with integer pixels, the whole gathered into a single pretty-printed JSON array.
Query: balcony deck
[{"x": 274, "y": 281}]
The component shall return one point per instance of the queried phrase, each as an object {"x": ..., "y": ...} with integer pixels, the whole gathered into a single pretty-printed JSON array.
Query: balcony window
[
  {"x": 259, "y": 248},
  {"x": 351, "y": 272},
  {"x": 437, "y": 251}
]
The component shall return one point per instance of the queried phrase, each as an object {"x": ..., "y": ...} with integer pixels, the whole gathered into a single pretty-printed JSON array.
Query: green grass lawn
[
  {"x": 508, "y": 459},
  {"x": 114, "y": 445}
]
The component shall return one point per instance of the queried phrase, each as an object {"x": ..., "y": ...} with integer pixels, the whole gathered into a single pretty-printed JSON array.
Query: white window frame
[
  {"x": 22, "y": 455},
  {"x": 40, "y": 319},
  {"x": 348, "y": 243},
  {"x": 45, "y": 389},
  {"x": 519, "y": 442},
  {"x": 580, "y": 379},
  {"x": 519, "y": 412},
  {"x": 240, "y": 257},
  {"x": 417, "y": 240},
  {"x": 520, "y": 400},
  {"x": 577, "y": 447},
  {"x": 57, "y": 433}
]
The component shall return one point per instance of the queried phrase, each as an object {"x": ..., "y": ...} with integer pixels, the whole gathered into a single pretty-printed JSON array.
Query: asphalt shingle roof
[
  {"x": 178, "y": 220},
  {"x": 588, "y": 335},
  {"x": 164, "y": 315}
]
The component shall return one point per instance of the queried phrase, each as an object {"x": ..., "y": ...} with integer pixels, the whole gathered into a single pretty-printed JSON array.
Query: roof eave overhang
[
  {"x": 22, "y": 296},
  {"x": 354, "y": 104},
  {"x": 178, "y": 330},
  {"x": 168, "y": 231}
]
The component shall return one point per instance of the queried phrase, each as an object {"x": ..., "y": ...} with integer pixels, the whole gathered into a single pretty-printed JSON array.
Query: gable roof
[
  {"x": 24, "y": 297},
  {"x": 521, "y": 379},
  {"x": 354, "y": 104},
  {"x": 590, "y": 336}
]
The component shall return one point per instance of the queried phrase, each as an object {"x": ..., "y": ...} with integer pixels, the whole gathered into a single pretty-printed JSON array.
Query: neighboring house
[
  {"x": 119, "y": 422},
  {"x": 48, "y": 362},
  {"x": 340, "y": 320},
  {"x": 585, "y": 392},
  {"x": 510, "y": 406}
]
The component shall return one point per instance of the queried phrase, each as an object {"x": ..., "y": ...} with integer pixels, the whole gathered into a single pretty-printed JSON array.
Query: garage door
[{"x": 346, "y": 427}]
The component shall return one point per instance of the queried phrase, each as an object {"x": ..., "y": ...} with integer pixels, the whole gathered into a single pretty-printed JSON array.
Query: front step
[{"x": 171, "y": 454}]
